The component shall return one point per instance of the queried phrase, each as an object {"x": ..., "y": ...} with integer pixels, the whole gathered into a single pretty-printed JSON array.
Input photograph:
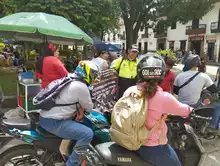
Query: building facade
[{"x": 200, "y": 35}]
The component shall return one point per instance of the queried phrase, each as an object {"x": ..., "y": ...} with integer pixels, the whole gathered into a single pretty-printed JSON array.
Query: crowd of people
[{"x": 157, "y": 86}]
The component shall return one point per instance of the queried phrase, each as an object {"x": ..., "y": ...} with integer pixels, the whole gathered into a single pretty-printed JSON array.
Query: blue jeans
[
  {"x": 215, "y": 116},
  {"x": 162, "y": 155},
  {"x": 71, "y": 130}
]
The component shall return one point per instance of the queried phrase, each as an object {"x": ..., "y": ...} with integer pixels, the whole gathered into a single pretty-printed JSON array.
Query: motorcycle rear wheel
[{"x": 21, "y": 156}]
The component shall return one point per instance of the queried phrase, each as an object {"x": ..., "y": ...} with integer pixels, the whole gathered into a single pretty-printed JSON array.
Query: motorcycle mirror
[{"x": 206, "y": 101}]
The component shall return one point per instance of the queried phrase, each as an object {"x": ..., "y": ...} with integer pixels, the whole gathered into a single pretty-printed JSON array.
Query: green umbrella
[{"x": 42, "y": 27}]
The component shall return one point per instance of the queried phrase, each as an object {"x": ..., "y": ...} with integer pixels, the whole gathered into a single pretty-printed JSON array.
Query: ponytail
[{"x": 148, "y": 89}]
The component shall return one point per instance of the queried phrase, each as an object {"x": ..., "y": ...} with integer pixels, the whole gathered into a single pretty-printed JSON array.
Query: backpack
[
  {"x": 128, "y": 121},
  {"x": 46, "y": 98}
]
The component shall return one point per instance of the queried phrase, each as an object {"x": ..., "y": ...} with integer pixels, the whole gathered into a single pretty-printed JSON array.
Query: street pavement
[{"x": 212, "y": 147}]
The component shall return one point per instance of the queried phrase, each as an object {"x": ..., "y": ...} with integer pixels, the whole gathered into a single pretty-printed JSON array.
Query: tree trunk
[
  {"x": 102, "y": 35},
  {"x": 131, "y": 34}
]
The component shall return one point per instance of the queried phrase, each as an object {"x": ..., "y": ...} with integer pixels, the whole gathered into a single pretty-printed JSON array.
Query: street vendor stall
[
  {"x": 39, "y": 28},
  {"x": 27, "y": 88}
]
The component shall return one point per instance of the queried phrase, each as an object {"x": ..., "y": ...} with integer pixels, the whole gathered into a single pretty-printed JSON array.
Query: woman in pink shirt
[{"x": 150, "y": 71}]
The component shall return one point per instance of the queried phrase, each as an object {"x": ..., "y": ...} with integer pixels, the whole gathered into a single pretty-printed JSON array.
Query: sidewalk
[{"x": 213, "y": 63}]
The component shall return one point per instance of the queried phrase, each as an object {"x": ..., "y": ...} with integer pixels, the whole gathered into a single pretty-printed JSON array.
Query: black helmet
[
  {"x": 193, "y": 60},
  {"x": 151, "y": 67}
]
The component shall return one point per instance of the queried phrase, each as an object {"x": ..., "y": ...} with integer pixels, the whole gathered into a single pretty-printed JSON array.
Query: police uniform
[{"x": 127, "y": 73}]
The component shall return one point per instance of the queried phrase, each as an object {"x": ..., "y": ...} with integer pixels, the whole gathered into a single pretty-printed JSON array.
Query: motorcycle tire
[{"x": 17, "y": 152}]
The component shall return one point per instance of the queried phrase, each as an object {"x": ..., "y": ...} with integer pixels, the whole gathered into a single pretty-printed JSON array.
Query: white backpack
[{"x": 128, "y": 120}]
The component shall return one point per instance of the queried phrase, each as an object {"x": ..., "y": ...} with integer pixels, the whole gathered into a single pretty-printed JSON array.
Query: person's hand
[{"x": 80, "y": 114}]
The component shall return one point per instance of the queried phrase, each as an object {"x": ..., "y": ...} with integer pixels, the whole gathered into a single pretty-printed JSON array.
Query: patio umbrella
[
  {"x": 42, "y": 27},
  {"x": 107, "y": 47}
]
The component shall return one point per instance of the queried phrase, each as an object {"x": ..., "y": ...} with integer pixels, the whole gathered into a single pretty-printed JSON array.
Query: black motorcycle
[{"x": 181, "y": 137}]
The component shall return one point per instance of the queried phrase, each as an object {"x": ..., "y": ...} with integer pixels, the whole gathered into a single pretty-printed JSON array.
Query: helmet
[
  {"x": 151, "y": 67},
  {"x": 87, "y": 70},
  {"x": 192, "y": 60}
]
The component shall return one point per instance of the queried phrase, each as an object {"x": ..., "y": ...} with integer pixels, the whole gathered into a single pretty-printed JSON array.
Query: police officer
[{"x": 126, "y": 68}]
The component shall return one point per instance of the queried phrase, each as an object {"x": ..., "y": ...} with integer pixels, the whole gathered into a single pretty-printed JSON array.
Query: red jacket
[{"x": 52, "y": 69}]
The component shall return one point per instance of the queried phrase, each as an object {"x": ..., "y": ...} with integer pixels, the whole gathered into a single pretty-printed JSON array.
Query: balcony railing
[
  {"x": 215, "y": 27},
  {"x": 190, "y": 30}
]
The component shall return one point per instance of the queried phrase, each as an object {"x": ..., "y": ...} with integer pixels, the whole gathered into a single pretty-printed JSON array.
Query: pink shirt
[{"x": 163, "y": 103}]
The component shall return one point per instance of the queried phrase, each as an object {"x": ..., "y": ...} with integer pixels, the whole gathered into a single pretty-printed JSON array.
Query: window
[
  {"x": 139, "y": 47},
  {"x": 183, "y": 45},
  {"x": 145, "y": 47},
  {"x": 114, "y": 37},
  {"x": 123, "y": 46},
  {"x": 173, "y": 25},
  {"x": 171, "y": 45},
  {"x": 195, "y": 23}
]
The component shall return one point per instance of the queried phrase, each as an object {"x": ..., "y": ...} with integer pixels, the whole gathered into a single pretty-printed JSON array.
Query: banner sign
[{"x": 104, "y": 90}]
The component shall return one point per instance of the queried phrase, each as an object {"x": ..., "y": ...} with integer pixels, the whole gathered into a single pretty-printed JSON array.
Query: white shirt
[
  {"x": 190, "y": 94},
  {"x": 101, "y": 63},
  {"x": 74, "y": 92}
]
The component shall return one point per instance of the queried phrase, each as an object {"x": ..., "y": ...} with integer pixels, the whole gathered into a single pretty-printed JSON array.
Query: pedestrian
[
  {"x": 167, "y": 83},
  {"x": 48, "y": 66},
  {"x": 217, "y": 78},
  {"x": 126, "y": 68},
  {"x": 101, "y": 60}
]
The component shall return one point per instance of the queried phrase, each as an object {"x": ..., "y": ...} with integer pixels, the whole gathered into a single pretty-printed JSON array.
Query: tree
[
  {"x": 139, "y": 14},
  {"x": 97, "y": 16},
  {"x": 6, "y": 7}
]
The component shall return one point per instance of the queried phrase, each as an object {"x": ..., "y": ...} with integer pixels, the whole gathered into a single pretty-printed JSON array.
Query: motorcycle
[
  {"x": 202, "y": 118},
  {"x": 35, "y": 146},
  {"x": 40, "y": 147},
  {"x": 181, "y": 137}
]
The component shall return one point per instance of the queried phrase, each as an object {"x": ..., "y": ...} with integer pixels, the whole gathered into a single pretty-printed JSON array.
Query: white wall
[{"x": 177, "y": 34}]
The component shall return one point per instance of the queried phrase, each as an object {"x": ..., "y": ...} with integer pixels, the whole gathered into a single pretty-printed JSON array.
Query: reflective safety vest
[
  {"x": 127, "y": 74},
  {"x": 128, "y": 69}
]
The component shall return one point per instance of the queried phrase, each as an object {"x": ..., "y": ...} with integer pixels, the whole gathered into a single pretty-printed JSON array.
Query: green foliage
[
  {"x": 8, "y": 81},
  {"x": 169, "y": 53},
  {"x": 185, "y": 10},
  {"x": 98, "y": 16},
  {"x": 6, "y": 7}
]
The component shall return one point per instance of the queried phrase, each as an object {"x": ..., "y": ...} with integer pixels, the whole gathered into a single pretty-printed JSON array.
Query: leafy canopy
[{"x": 97, "y": 16}]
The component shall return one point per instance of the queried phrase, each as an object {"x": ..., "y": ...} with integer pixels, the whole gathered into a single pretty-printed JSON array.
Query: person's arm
[
  {"x": 105, "y": 65},
  {"x": 212, "y": 88},
  {"x": 115, "y": 64},
  {"x": 172, "y": 83},
  {"x": 217, "y": 74},
  {"x": 175, "y": 86},
  {"x": 58, "y": 65},
  {"x": 209, "y": 84},
  {"x": 174, "y": 107}
]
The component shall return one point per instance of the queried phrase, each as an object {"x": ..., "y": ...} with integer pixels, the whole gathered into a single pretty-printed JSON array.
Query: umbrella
[
  {"x": 107, "y": 47},
  {"x": 8, "y": 41},
  {"x": 42, "y": 27},
  {"x": 95, "y": 38}
]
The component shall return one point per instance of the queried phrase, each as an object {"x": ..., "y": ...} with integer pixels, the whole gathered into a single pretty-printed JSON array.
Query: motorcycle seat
[
  {"x": 114, "y": 154},
  {"x": 41, "y": 131},
  {"x": 204, "y": 111},
  {"x": 21, "y": 124}
]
